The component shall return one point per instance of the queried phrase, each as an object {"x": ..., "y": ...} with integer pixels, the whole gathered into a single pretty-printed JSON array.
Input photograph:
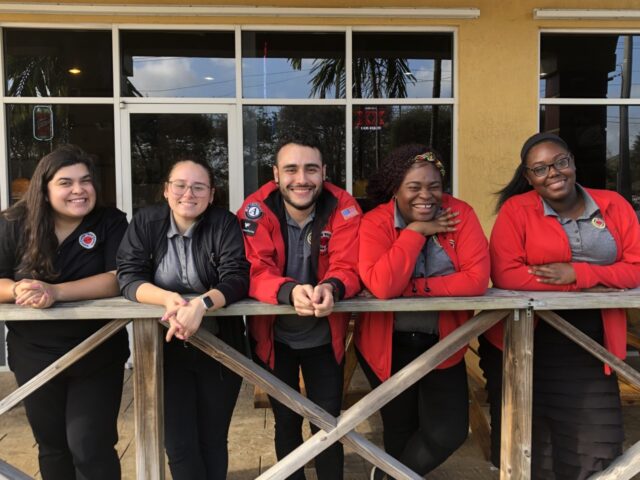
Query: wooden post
[
  {"x": 515, "y": 453},
  {"x": 148, "y": 399}
]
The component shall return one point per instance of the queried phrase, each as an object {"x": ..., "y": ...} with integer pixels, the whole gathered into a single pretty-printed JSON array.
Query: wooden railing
[{"x": 516, "y": 307}]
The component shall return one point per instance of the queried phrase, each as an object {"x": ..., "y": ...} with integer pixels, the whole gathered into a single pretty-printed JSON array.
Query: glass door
[{"x": 153, "y": 137}]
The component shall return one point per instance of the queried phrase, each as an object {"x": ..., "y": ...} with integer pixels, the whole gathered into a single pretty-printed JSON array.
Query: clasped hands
[
  {"x": 563, "y": 274},
  {"x": 34, "y": 293},
  {"x": 184, "y": 316},
  {"x": 313, "y": 301}
]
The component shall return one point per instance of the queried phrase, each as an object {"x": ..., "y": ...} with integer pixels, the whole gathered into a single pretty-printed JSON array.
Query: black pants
[
  {"x": 199, "y": 397},
  {"x": 426, "y": 423},
  {"x": 323, "y": 378},
  {"x": 577, "y": 417},
  {"x": 74, "y": 416}
]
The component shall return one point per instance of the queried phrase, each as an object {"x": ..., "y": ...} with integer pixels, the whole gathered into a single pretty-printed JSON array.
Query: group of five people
[{"x": 302, "y": 241}]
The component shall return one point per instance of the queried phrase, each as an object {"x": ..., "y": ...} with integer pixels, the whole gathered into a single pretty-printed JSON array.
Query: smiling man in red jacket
[{"x": 301, "y": 238}]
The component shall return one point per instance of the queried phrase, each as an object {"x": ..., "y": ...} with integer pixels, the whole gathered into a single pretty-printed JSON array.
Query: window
[
  {"x": 590, "y": 96},
  {"x": 177, "y": 64}
]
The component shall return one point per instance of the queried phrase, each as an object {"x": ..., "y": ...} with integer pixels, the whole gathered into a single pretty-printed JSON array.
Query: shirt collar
[
  {"x": 173, "y": 228},
  {"x": 590, "y": 206},
  {"x": 292, "y": 223}
]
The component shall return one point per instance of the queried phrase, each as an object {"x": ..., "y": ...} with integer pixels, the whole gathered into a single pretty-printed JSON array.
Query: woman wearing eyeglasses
[
  {"x": 553, "y": 234},
  {"x": 187, "y": 247}
]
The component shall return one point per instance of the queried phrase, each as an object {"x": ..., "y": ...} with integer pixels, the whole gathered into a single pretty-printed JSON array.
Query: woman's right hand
[{"x": 446, "y": 221}]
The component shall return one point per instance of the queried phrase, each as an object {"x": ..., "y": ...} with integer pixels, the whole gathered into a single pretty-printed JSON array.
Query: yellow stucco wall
[{"x": 497, "y": 62}]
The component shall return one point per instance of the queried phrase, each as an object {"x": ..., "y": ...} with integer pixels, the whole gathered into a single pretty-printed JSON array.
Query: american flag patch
[{"x": 350, "y": 212}]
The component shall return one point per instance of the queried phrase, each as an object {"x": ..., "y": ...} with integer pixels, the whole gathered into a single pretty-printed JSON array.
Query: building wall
[{"x": 497, "y": 64}]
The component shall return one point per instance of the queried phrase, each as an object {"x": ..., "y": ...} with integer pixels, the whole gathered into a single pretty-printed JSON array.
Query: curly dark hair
[{"x": 384, "y": 183}]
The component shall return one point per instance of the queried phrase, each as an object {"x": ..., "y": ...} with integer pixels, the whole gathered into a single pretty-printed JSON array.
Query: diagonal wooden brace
[
  {"x": 379, "y": 397},
  {"x": 64, "y": 362},
  {"x": 235, "y": 361}
]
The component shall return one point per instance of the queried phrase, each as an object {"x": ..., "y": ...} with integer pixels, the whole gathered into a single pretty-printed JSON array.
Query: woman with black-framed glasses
[
  {"x": 188, "y": 247},
  {"x": 553, "y": 234}
]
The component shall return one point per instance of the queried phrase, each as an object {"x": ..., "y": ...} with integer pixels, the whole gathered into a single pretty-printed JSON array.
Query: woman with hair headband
[
  {"x": 56, "y": 245},
  {"x": 419, "y": 242},
  {"x": 189, "y": 247},
  {"x": 552, "y": 234}
]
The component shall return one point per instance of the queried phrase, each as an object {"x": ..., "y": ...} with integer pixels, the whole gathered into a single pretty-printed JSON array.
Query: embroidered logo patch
[
  {"x": 452, "y": 242},
  {"x": 349, "y": 212},
  {"x": 253, "y": 211},
  {"x": 249, "y": 227},
  {"x": 598, "y": 223},
  {"x": 87, "y": 240},
  {"x": 308, "y": 239},
  {"x": 325, "y": 235}
]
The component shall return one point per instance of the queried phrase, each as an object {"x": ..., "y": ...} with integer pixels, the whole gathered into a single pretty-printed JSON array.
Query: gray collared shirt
[
  {"x": 177, "y": 271},
  {"x": 588, "y": 235},
  {"x": 296, "y": 331},
  {"x": 432, "y": 261}
]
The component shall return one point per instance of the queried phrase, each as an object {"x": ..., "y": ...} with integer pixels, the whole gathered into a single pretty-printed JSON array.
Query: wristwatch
[{"x": 206, "y": 301}]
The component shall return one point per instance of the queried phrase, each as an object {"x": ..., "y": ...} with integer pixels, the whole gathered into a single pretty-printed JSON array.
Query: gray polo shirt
[
  {"x": 296, "y": 331},
  {"x": 432, "y": 261},
  {"x": 588, "y": 235},
  {"x": 177, "y": 272}
]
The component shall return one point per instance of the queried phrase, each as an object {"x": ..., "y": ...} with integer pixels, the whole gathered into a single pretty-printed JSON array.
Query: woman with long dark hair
[
  {"x": 553, "y": 234},
  {"x": 57, "y": 245},
  {"x": 187, "y": 246},
  {"x": 419, "y": 242}
]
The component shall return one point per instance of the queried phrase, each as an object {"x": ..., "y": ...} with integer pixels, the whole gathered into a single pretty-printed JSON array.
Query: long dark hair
[
  {"x": 519, "y": 183},
  {"x": 384, "y": 183},
  {"x": 37, "y": 247}
]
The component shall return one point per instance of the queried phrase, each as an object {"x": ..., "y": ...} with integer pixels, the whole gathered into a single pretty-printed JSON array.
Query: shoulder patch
[
  {"x": 253, "y": 211},
  {"x": 349, "y": 212},
  {"x": 249, "y": 227}
]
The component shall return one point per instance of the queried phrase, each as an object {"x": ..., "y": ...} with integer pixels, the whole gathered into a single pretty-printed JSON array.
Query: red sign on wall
[
  {"x": 370, "y": 118},
  {"x": 42, "y": 123}
]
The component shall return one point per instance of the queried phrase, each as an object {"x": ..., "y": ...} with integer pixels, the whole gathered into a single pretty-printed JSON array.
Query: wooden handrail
[{"x": 516, "y": 387}]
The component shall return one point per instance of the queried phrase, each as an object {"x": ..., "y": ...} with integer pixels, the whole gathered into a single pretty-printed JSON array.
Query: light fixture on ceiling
[{"x": 74, "y": 71}]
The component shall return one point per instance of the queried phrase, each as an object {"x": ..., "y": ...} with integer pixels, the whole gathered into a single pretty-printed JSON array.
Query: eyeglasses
[
  {"x": 197, "y": 189},
  {"x": 559, "y": 164}
]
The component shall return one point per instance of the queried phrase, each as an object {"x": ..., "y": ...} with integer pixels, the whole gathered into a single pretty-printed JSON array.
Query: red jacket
[
  {"x": 334, "y": 248},
  {"x": 387, "y": 260},
  {"x": 523, "y": 236}
]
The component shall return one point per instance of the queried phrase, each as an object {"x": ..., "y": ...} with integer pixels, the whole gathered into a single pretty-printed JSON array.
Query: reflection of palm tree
[
  {"x": 372, "y": 77},
  {"x": 35, "y": 77}
]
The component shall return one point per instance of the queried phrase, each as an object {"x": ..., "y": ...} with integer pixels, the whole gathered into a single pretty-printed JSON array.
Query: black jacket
[{"x": 219, "y": 255}]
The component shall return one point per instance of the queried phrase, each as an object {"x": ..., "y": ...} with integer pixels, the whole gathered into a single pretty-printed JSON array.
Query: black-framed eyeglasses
[
  {"x": 178, "y": 187},
  {"x": 560, "y": 163}
]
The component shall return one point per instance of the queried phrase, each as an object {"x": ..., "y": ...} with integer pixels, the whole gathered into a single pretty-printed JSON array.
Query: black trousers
[
  {"x": 74, "y": 416},
  {"x": 577, "y": 418},
  {"x": 199, "y": 397},
  {"x": 323, "y": 378},
  {"x": 426, "y": 423}
]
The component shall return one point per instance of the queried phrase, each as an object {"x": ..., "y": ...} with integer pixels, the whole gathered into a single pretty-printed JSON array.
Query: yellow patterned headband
[{"x": 431, "y": 158}]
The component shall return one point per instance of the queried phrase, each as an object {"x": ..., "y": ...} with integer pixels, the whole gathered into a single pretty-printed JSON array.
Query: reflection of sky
[
  {"x": 614, "y": 84},
  {"x": 613, "y": 129},
  {"x": 422, "y": 74},
  {"x": 275, "y": 78},
  {"x": 184, "y": 76}
]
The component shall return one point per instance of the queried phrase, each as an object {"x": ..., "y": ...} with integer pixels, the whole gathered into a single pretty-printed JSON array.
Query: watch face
[{"x": 206, "y": 300}]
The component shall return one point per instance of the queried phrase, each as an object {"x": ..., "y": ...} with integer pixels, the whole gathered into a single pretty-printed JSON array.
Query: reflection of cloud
[{"x": 174, "y": 76}]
